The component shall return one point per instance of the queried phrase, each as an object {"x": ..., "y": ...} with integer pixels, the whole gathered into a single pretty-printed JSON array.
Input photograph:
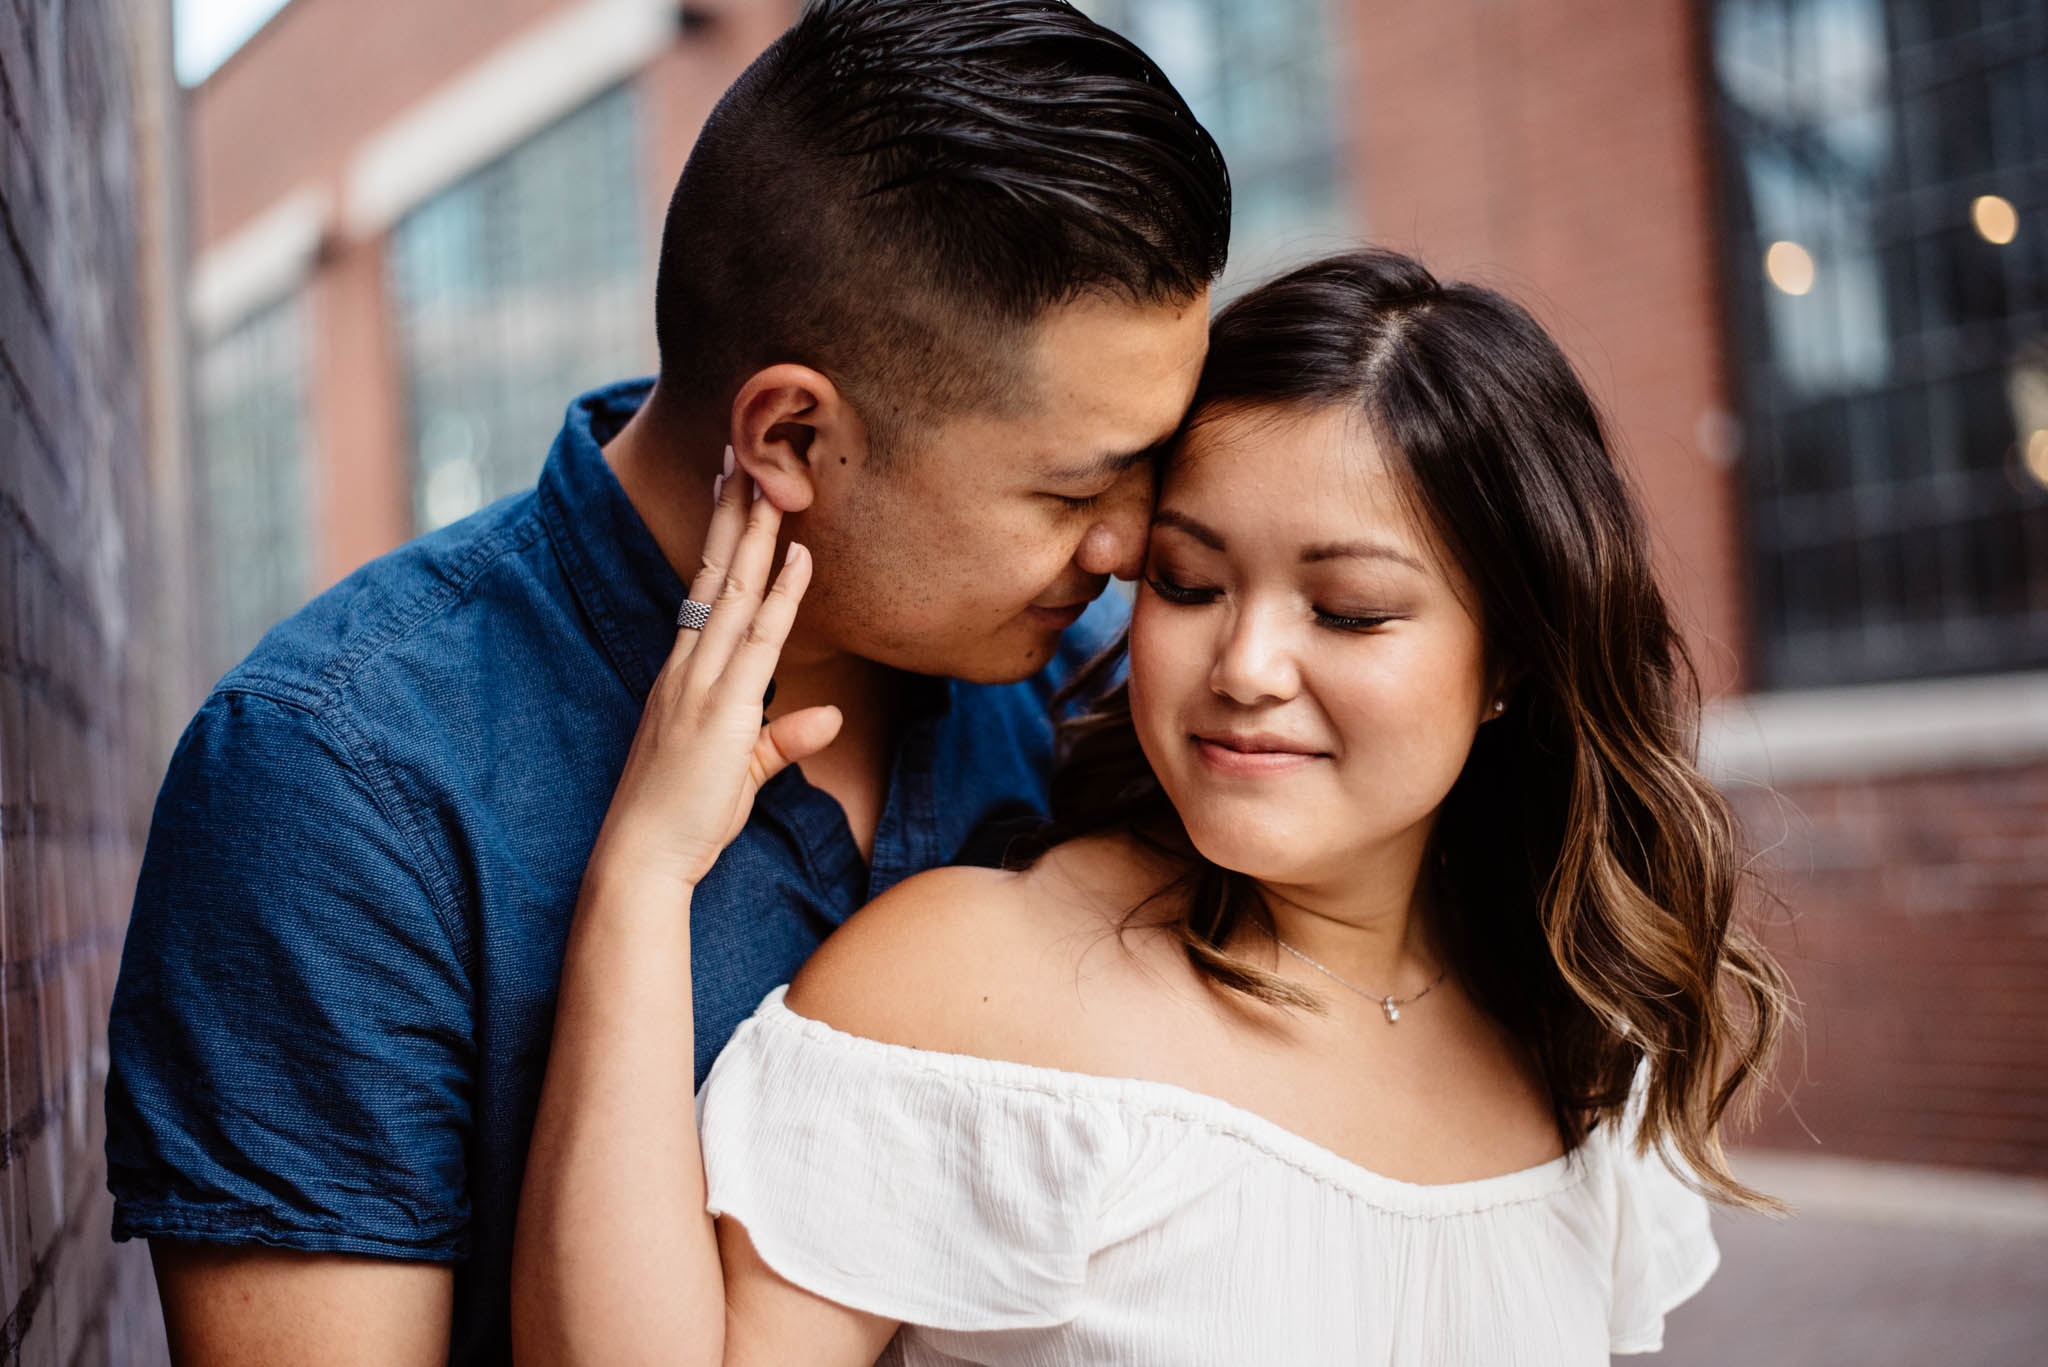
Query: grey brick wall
[{"x": 91, "y": 422}]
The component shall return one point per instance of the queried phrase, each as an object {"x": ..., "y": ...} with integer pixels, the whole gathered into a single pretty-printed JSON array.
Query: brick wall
[
  {"x": 89, "y": 417},
  {"x": 1916, "y": 930},
  {"x": 1558, "y": 150}
]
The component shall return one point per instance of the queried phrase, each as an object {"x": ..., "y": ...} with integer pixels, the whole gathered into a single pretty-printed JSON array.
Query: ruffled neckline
[{"x": 1172, "y": 1101}]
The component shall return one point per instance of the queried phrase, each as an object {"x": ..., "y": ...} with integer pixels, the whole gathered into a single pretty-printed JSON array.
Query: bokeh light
[
  {"x": 1995, "y": 219},
  {"x": 1790, "y": 267},
  {"x": 2036, "y": 456}
]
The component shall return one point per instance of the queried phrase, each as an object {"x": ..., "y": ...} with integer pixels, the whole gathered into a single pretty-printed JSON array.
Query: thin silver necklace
[{"x": 1390, "y": 1005}]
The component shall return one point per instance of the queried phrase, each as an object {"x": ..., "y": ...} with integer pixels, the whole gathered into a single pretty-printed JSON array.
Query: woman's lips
[{"x": 1251, "y": 757}]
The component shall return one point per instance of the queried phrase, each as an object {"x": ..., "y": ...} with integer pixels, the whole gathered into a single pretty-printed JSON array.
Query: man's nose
[
  {"x": 1115, "y": 542},
  {"x": 1254, "y": 662}
]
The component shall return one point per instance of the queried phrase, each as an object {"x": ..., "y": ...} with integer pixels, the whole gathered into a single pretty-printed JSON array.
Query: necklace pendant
[{"x": 1393, "y": 1012}]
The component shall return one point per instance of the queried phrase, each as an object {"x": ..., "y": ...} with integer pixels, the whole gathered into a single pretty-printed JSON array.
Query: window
[
  {"x": 514, "y": 290},
  {"x": 254, "y": 442},
  {"x": 1887, "y": 193},
  {"x": 1262, "y": 78}
]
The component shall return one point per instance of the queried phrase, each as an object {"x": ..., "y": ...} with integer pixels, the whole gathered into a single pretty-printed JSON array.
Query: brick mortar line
[
  {"x": 44, "y": 437},
  {"x": 28, "y": 271},
  {"x": 14, "y": 1330},
  {"x": 42, "y": 680},
  {"x": 61, "y": 823},
  {"x": 13, "y": 510},
  {"x": 14, "y": 1143},
  {"x": 95, "y": 1329},
  {"x": 42, "y": 1268},
  {"x": 22, "y": 975}
]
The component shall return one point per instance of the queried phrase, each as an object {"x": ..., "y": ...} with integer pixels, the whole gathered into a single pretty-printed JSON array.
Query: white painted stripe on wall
[
  {"x": 1868, "y": 731},
  {"x": 496, "y": 104},
  {"x": 1899, "y": 1194},
  {"x": 260, "y": 261}
]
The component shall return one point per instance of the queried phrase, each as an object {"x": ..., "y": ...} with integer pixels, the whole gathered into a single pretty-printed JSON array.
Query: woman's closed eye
[
  {"x": 1192, "y": 595},
  {"x": 1352, "y": 621},
  {"x": 1186, "y": 594}
]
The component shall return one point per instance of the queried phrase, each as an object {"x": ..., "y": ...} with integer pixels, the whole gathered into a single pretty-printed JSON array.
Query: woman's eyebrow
[
  {"x": 1360, "y": 550},
  {"x": 1167, "y": 517},
  {"x": 1333, "y": 550}
]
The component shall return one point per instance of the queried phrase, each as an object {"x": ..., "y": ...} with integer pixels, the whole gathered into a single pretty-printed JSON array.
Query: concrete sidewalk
[{"x": 1881, "y": 1266}]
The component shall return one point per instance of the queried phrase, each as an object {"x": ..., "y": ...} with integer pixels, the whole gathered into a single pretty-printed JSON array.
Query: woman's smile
[{"x": 1253, "y": 755}]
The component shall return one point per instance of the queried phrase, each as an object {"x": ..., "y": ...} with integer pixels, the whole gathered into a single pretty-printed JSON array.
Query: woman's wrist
[{"x": 619, "y": 876}]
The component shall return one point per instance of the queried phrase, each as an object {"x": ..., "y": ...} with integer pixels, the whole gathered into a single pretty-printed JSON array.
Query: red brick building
[{"x": 1760, "y": 227}]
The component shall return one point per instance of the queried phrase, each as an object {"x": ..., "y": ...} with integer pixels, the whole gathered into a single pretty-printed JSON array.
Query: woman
[{"x": 1384, "y": 950}]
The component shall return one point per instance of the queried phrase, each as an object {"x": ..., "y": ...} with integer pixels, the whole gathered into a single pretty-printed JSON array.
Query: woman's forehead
[
  {"x": 1326, "y": 459},
  {"x": 1297, "y": 479}
]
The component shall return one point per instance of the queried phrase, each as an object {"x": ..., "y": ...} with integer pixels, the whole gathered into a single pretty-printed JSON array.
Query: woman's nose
[{"x": 1254, "y": 661}]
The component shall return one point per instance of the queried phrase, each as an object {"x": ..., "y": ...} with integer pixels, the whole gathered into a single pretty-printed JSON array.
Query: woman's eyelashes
[
  {"x": 1193, "y": 595},
  {"x": 1186, "y": 594},
  {"x": 1352, "y": 622}
]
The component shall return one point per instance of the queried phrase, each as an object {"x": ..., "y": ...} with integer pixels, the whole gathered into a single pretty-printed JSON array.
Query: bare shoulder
[{"x": 975, "y": 961}]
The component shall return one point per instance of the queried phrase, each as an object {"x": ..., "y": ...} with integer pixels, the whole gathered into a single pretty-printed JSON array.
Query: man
[{"x": 937, "y": 274}]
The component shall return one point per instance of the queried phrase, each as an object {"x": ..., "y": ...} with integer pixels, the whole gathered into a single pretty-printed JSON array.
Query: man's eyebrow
[
  {"x": 1109, "y": 466},
  {"x": 1333, "y": 550}
]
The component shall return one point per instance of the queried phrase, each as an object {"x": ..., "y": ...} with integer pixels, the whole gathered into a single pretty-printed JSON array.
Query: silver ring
[{"x": 693, "y": 614}]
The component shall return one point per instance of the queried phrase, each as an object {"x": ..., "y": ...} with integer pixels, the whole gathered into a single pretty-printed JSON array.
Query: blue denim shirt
[{"x": 339, "y": 981}]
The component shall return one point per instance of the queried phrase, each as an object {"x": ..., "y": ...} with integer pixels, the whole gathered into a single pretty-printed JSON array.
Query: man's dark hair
[{"x": 896, "y": 189}]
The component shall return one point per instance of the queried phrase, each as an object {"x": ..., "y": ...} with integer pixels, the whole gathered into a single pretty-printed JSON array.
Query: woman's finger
[
  {"x": 793, "y": 738},
  {"x": 722, "y": 536},
  {"x": 747, "y": 673},
  {"x": 732, "y": 612},
  {"x": 731, "y": 497}
]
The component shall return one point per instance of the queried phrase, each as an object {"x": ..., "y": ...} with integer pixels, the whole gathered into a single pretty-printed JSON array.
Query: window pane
[
  {"x": 254, "y": 446},
  {"x": 1261, "y": 79},
  {"x": 1887, "y": 228},
  {"x": 515, "y": 289}
]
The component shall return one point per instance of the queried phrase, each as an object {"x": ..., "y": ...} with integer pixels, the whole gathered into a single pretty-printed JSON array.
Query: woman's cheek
[{"x": 1159, "y": 660}]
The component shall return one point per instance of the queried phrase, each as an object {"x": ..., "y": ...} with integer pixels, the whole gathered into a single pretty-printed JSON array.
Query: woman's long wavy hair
[{"x": 1584, "y": 876}]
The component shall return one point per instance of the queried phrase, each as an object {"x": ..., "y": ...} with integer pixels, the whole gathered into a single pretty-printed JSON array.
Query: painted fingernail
[
  {"x": 717, "y": 488},
  {"x": 729, "y": 461}
]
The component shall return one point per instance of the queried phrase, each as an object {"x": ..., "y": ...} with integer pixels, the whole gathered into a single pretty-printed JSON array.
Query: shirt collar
[{"x": 625, "y": 584}]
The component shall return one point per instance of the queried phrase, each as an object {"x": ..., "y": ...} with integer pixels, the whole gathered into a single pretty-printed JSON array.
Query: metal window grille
[
  {"x": 255, "y": 440},
  {"x": 1886, "y": 188},
  {"x": 515, "y": 289},
  {"x": 1262, "y": 79}
]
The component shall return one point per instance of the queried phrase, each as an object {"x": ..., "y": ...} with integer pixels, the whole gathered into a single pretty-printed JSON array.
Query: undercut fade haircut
[{"x": 896, "y": 190}]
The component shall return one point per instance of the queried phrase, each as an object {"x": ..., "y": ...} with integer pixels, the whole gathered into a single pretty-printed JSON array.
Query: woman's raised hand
[{"x": 702, "y": 751}]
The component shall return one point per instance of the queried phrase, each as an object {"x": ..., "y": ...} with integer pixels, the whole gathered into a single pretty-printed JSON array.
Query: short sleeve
[
  {"x": 291, "y": 1037},
  {"x": 1664, "y": 1248},
  {"x": 930, "y": 1189}
]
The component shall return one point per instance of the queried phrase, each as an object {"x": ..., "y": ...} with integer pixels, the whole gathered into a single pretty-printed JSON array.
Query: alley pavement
[{"x": 1881, "y": 1266}]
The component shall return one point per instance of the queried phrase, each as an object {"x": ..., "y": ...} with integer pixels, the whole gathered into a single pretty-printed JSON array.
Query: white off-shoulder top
[{"x": 1011, "y": 1214}]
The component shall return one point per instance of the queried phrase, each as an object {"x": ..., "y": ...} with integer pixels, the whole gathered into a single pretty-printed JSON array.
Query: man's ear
[{"x": 788, "y": 423}]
